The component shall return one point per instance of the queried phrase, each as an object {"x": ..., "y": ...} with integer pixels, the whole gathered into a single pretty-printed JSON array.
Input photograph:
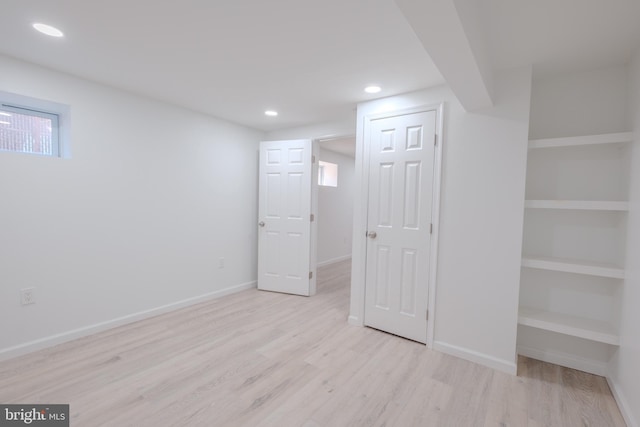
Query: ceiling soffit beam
[{"x": 451, "y": 31}]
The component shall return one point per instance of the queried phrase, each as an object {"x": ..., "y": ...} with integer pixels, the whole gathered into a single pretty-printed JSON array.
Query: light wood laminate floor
[{"x": 266, "y": 359}]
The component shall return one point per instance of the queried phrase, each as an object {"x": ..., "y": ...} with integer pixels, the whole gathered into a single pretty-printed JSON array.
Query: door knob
[
  {"x": 261, "y": 223},
  {"x": 372, "y": 234}
]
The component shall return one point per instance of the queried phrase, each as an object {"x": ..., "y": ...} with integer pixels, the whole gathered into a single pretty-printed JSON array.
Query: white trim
[
  {"x": 313, "y": 234},
  {"x": 360, "y": 213},
  {"x": 509, "y": 367},
  {"x": 563, "y": 359},
  {"x": 334, "y": 260},
  {"x": 60, "y": 338},
  {"x": 623, "y": 403},
  {"x": 355, "y": 321},
  {"x": 435, "y": 219}
]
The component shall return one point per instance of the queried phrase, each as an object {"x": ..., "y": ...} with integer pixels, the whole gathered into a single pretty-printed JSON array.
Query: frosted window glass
[{"x": 26, "y": 131}]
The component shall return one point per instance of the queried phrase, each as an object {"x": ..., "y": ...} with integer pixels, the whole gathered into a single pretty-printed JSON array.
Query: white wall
[
  {"x": 483, "y": 187},
  {"x": 137, "y": 219},
  {"x": 335, "y": 210},
  {"x": 625, "y": 366},
  {"x": 583, "y": 103},
  {"x": 339, "y": 128}
]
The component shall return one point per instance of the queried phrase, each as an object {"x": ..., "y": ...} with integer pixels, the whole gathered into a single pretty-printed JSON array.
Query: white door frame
[
  {"x": 313, "y": 253},
  {"x": 358, "y": 272}
]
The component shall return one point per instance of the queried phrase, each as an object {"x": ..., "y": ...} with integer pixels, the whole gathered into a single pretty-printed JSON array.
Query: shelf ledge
[
  {"x": 609, "y": 138},
  {"x": 589, "y": 205},
  {"x": 594, "y": 330},
  {"x": 572, "y": 266}
]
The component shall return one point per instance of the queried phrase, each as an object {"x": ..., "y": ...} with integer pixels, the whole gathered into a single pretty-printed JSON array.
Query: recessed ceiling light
[
  {"x": 271, "y": 113},
  {"x": 372, "y": 89},
  {"x": 48, "y": 30},
  {"x": 2, "y": 113}
]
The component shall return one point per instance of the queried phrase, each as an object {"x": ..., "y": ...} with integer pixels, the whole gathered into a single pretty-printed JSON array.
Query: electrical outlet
[
  {"x": 221, "y": 263},
  {"x": 28, "y": 296}
]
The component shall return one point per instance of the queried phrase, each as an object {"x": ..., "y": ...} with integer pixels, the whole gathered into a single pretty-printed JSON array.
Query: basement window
[
  {"x": 31, "y": 126},
  {"x": 327, "y": 174}
]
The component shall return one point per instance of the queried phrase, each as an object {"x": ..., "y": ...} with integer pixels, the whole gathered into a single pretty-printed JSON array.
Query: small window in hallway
[{"x": 327, "y": 174}]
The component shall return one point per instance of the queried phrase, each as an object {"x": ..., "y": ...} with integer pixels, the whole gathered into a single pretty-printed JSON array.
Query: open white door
[
  {"x": 284, "y": 212},
  {"x": 401, "y": 174}
]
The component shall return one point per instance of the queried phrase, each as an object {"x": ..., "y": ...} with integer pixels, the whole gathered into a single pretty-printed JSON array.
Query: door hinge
[
  {"x": 311, "y": 275},
  {"x": 313, "y": 158},
  {"x": 427, "y": 316},
  {"x": 431, "y": 228},
  {"x": 435, "y": 140},
  {"x": 312, "y": 217}
]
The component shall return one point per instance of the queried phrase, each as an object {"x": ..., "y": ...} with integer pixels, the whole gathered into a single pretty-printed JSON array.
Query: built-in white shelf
[
  {"x": 594, "y": 330},
  {"x": 589, "y": 205},
  {"x": 609, "y": 138},
  {"x": 573, "y": 266},
  {"x": 593, "y": 169}
]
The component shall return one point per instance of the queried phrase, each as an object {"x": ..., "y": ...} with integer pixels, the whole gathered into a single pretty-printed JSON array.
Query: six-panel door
[
  {"x": 401, "y": 168},
  {"x": 284, "y": 216}
]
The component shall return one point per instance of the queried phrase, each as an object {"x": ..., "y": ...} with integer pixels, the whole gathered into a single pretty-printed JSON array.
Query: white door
[
  {"x": 401, "y": 173},
  {"x": 284, "y": 211}
]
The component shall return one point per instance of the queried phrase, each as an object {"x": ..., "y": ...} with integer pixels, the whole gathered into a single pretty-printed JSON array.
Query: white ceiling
[{"x": 309, "y": 60}]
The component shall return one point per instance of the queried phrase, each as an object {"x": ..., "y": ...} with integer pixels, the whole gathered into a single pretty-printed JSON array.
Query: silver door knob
[
  {"x": 372, "y": 234},
  {"x": 261, "y": 223}
]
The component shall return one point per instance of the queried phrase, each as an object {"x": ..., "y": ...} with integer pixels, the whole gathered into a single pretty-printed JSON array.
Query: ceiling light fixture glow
[
  {"x": 4, "y": 123},
  {"x": 271, "y": 113},
  {"x": 2, "y": 113},
  {"x": 372, "y": 89},
  {"x": 48, "y": 30}
]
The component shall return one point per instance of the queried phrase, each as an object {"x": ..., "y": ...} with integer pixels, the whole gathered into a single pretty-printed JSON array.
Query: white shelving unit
[
  {"x": 550, "y": 300},
  {"x": 601, "y": 269},
  {"x": 573, "y": 141},
  {"x": 594, "y": 330},
  {"x": 587, "y": 205}
]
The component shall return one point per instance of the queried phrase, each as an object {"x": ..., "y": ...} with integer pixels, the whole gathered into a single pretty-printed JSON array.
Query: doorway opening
[{"x": 335, "y": 199}]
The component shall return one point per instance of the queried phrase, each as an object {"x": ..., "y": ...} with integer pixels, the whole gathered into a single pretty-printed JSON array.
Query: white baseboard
[
  {"x": 509, "y": 367},
  {"x": 563, "y": 359},
  {"x": 623, "y": 404},
  {"x": 60, "y": 338},
  {"x": 355, "y": 321},
  {"x": 334, "y": 260}
]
